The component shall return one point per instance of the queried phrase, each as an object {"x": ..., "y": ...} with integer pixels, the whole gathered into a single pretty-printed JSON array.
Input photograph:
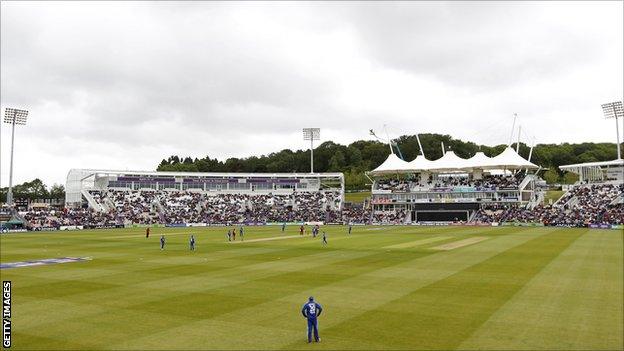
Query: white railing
[
  {"x": 525, "y": 181},
  {"x": 91, "y": 201},
  {"x": 533, "y": 202},
  {"x": 618, "y": 200}
]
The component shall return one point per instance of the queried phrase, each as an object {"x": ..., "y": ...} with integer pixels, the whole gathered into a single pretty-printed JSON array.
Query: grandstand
[
  {"x": 451, "y": 188},
  {"x": 596, "y": 172},
  {"x": 500, "y": 190},
  {"x": 177, "y": 198}
]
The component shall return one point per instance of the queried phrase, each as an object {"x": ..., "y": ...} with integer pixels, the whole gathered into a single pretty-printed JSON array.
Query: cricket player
[
  {"x": 147, "y": 230},
  {"x": 192, "y": 242},
  {"x": 324, "y": 238},
  {"x": 311, "y": 310},
  {"x": 229, "y": 235},
  {"x": 301, "y": 228},
  {"x": 283, "y": 226},
  {"x": 234, "y": 234},
  {"x": 162, "y": 242},
  {"x": 350, "y": 227},
  {"x": 241, "y": 232}
]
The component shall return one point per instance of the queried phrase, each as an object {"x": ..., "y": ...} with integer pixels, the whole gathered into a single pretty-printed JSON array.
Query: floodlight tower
[
  {"x": 311, "y": 134},
  {"x": 13, "y": 116},
  {"x": 372, "y": 132},
  {"x": 614, "y": 110}
]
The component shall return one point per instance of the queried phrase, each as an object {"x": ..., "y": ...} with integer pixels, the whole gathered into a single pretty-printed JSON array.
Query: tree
[
  {"x": 364, "y": 155},
  {"x": 551, "y": 176},
  {"x": 570, "y": 178},
  {"x": 337, "y": 162},
  {"x": 355, "y": 156},
  {"x": 57, "y": 191}
]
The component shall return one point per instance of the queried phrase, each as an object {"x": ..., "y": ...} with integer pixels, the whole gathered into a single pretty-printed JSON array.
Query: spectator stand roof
[
  {"x": 93, "y": 172},
  {"x": 450, "y": 162},
  {"x": 595, "y": 171},
  {"x": 420, "y": 162},
  {"x": 392, "y": 164},
  {"x": 81, "y": 179}
]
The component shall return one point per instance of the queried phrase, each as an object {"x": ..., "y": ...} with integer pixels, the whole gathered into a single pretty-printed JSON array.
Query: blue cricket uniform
[
  {"x": 162, "y": 242},
  {"x": 311, "y": 310},
  {"x": 192, "y": 243}
]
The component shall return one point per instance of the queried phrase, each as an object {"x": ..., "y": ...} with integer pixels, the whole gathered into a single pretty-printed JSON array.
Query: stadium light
[
  {"x": 13, "y": 117},
  {"x": 614, "y": 110},
  {"x": 311, "y": 134},
  {"x": 372, "y": 132}
]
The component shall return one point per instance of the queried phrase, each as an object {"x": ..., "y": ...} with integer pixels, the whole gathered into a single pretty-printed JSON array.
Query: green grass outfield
[
  {"x": 381, "y": 288},
  {"x": 357, "y": 197}
]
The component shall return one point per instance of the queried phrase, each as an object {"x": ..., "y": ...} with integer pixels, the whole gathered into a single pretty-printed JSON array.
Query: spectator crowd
[
  {"x": 416, "y": 183},
  {"x": 582, "y": 206}
]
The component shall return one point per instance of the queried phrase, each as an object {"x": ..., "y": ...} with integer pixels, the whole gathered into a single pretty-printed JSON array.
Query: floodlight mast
[
  {"x": 13, "y": 116},
  {"x": 614, "y": 110},
  {"x": 380, "y": 139},
  {"x": 311, "y": 134}
]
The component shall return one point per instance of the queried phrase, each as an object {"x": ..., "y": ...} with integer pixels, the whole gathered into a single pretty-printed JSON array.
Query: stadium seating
[
  {"x": 581, "y": 206},
  {"x": 169, "y": 207},
  {"x": 416, "y": 184}
]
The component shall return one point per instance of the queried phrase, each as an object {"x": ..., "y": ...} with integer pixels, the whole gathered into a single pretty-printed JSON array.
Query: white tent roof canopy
[
  {"x": 450, "y": 162},
  {"x": 392, "y": 164},
  {"x": 420, "y": 163}
]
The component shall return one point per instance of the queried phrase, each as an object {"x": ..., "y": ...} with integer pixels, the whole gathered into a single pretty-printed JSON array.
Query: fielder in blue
[
  {"x": 192, "y": 243},
  {"x": 311, "y": 310}
]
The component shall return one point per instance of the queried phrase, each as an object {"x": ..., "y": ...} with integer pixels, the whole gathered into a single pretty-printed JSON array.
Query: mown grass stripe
[
  {"x": 415, "y": 243},
  {"x": 443, "y": 314},
  {"x": 461, "y": 243},
  {"x": 574, "y": 303},
  {"x": 249, "y": 296}
]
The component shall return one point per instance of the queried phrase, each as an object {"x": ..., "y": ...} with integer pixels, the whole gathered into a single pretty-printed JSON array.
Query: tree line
[
  {"x": 35, "y": 189},
  {"x": 355, "y": 159},
  {"x": 364, "y": 155}
]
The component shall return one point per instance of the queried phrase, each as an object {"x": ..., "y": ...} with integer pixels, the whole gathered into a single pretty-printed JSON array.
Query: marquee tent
[
  {"x": 450, "y": 162},
  {"x": 392, "y": 164},
  {"x": 509, "y": 159},
  {"x": 419, "y": 163}
]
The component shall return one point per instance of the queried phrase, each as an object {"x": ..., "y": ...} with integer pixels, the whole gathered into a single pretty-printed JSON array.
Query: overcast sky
[{"x": 124, "y": 85}]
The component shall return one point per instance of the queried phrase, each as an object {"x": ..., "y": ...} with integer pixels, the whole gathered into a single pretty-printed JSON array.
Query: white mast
[
  {"x": 422, "y": 152},
  {"x": 513, "y": 126},
  {"x": 518, "y": 144}
]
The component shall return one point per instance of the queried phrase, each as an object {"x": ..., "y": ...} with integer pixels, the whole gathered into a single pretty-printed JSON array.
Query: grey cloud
[
  {"x": 482, "y": 45},
  {"x": 135, "y": 82}
]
